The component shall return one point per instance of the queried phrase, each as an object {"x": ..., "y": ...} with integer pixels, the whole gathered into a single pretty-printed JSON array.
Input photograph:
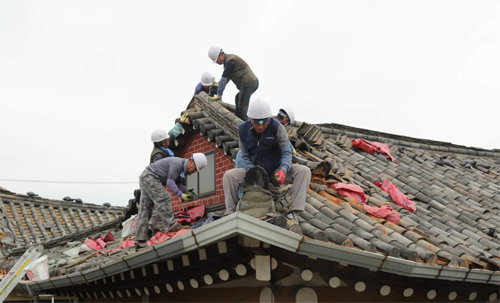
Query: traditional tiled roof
[
  {"x": 457, "y": 222},
  {"x": 31, "y": 220},
  {"x": 217, "y": 252},
  {"x": 454, "y": 235}
]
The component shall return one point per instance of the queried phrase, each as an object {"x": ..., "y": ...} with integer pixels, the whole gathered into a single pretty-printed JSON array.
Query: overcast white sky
[{"x": 83, "y": 83}]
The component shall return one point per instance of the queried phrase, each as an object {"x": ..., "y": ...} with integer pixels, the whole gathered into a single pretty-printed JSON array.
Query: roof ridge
[
  {"x": 219, "y": 112},
  {"x": 336, "y": 128},
  {"x": 61, "y": 203}
]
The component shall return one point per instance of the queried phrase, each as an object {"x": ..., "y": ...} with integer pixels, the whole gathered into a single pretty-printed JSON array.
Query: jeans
[{"x": 242, "y": 99}]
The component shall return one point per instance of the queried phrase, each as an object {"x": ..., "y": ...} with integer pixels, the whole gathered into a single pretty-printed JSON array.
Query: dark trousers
[{"x": 242, "y": 99}]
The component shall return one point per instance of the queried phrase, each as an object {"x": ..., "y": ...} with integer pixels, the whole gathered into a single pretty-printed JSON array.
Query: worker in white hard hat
[
  {"x": 207, "y": 84},
  {"x": 238, "y": 71},
  {"x": 161, "y": 142},
  {"x": 173, "y": 171},
  {"x": 264, "y": 142},
  {"x": 286, "y": 116}
]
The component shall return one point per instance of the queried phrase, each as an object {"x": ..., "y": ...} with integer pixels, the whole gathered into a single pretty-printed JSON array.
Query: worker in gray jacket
[
  {"x": 264, "y": 141},
  {"x": 238, "y": 71},
  {"x": 172, "y": 171}
]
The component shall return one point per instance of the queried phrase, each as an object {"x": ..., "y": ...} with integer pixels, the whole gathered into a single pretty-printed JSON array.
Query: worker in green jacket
[
  {"x": 161, "y": 142},
  {"x": 238, "y": 71}
]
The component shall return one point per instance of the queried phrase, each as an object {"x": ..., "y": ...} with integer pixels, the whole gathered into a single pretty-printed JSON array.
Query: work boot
[
  {"x": 141, "y": 244},
  {"x": 293, "y": 223},
  {"x": 142, "y": 235}
]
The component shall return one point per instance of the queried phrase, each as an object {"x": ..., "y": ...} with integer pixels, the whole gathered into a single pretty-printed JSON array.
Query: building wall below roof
[
  {"x": 290, "y": 294},
  {"x": 200, "y": 144}
]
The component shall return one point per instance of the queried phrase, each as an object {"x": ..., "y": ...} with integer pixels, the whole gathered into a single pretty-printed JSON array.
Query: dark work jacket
[
  {"x": 263, "y": 150},
  {"x": 240, "y": 73},
  {"x": 157, "y": 150}
]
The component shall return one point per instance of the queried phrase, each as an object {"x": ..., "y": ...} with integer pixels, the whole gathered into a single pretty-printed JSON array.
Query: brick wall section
[{"x": 200, "y": 144}]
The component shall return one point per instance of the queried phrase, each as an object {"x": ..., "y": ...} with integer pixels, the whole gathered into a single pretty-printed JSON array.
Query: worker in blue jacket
[
  {"x": 207, "y": 85},
  {"x": 264, "y": 141}
]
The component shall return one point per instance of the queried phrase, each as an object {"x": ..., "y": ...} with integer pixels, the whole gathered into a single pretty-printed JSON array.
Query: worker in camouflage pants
[{"x": 172, "y": 171}]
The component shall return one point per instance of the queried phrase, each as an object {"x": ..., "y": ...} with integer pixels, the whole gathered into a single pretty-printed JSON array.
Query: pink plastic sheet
[
  {"x": 373, "y": 147},
  {"x": 396, "y": 195},
  {"x": 356, "y": 192},
  {"x": 162, "y": 237},
  {"x": 351, "y": 190},
  {"x": 190, "y": 215}
]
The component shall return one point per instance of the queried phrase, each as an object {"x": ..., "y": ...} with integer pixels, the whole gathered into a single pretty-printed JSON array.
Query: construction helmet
[
  {"x": 200, "y": 160},
  {"x": 259, "y": 109},
  {"x": 158, "y": 135},
  {"x": 289, "y": 112},
  {"x": 214, "y": 52},
  {"x": 207, "y": 79}
]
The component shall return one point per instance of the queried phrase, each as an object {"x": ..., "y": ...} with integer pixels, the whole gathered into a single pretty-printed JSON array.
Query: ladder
[{"x": 17, "y": 272}]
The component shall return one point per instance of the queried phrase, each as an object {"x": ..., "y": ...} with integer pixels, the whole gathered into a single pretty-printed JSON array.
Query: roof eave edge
[{"x": 239, "y": 223}]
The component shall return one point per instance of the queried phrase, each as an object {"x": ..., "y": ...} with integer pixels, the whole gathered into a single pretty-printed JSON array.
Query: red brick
[{"x": 198, "y": 143}]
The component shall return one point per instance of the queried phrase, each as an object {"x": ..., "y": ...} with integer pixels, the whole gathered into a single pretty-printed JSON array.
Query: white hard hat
[
  {"x": 200, "y": 160},
  {"x": 259, "y": 109},
  {"x": 158, "y": 135},
  {"x": 289, "y": 111},
  {"x": 207, "y": 79},
  {"x": 214, "y": 52}
]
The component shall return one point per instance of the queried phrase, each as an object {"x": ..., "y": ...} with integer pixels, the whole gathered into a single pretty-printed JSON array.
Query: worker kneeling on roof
[
  {"x": 264, "y": 142},
  {"x": 172, "y": 171}
]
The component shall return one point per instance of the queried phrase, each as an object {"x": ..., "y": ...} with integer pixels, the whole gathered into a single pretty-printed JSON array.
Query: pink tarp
[
  {"x": 127, "y": 243},
  {"x": 373, "y": 147},
  {"x": 385, "y": 212},
  {"x": 351, "y": 190},
  {"x": 356, "y": 192},
  {"x": 99, "y": 243},
  {"x": 396, "y": 195},
  {"x": 161, "y": 237},
  {"x": 190, "y": 215}
]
